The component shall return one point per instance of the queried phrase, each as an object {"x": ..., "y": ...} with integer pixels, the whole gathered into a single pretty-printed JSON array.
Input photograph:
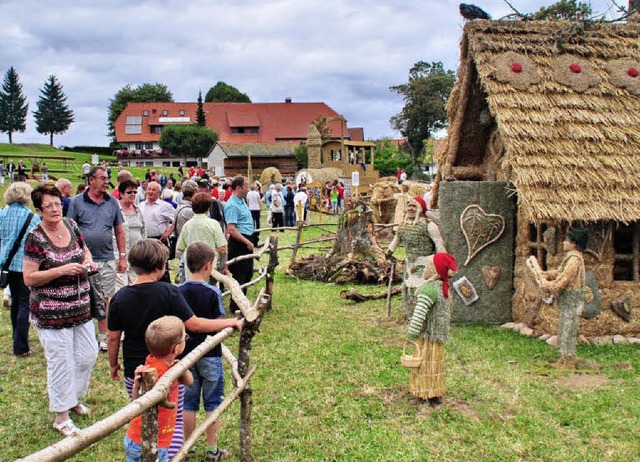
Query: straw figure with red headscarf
[
  {"x": 430, "y": 326},
  {"x": 420, "y": 237}
]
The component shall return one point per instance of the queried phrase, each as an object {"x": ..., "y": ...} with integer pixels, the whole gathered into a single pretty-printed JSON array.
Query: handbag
[
  {"x": 4, "y": 277},
  {"x": 96, "y": 296}
]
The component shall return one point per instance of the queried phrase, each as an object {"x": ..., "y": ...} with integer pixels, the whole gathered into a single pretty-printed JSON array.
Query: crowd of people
[{"x": 126, "y": 232}]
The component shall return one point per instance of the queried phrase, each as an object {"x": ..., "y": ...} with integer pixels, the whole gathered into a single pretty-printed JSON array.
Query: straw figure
[
  {"x": 430, "y": 326},
  {"x": 402, "y": 199},
  {"x": 568, "y": 284},
  {"x": 420, "y": 237}
]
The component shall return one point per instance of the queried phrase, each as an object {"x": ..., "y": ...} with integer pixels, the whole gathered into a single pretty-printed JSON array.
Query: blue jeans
[
  {"x": 19, "y": 312},
  {"x": 133, "y": 451},
  {"x": 208, "y": 380}
]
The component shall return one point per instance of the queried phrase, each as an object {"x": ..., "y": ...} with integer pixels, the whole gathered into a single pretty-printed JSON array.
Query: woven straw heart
[
  {"x": 480, "y": 229},
  {"x": 491, "y": 275}
]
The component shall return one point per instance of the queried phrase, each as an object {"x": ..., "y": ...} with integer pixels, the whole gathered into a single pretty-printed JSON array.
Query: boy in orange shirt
[{"x": 165, "y": 338}]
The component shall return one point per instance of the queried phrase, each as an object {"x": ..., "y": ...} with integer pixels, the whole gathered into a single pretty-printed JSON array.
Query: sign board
[
  {"x": 355, "y": 179},
  {"x": 347, "y": 187},
  {"x": 314, "y": 190}
]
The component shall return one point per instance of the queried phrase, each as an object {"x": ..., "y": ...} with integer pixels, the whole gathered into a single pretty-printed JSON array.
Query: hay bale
[
  {"x": 318, "y": 175},
  {"x": 269, "y": 176}
]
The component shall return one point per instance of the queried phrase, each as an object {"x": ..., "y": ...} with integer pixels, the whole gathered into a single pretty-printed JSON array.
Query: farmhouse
[
  {"x": 268, "y": 132},
  {"x": 544, "y": 134}
]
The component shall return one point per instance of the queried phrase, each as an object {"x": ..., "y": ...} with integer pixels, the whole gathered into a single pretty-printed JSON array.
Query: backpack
[{"x": 217, "y": 213}]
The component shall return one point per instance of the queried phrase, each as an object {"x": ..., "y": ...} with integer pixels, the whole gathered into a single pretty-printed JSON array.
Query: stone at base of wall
[{"x": 525, "y": 330}]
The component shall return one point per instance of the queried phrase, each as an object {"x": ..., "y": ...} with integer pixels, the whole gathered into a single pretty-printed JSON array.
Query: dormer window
[
  {"x": 181, "y": 112},
  {"x": 165, "y": 113},
  {"x": 145, "y": 113}
]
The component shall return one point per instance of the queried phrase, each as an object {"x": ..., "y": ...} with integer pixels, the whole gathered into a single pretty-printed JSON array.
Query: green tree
[
  {"x": 201, "y": 118},
  {"x": 13, "y": 105},
  {"x": 389, "y": 158},
  {"x": 302, "y": 156},
  {"x": 425, "y": 96},
  {"x": 145, "y": 93},
  {"x": 188, "y": 140},
  {"x": 224, "y": 93},
  {"x": 565, "y": 10},
  {"x": 322, "y": 124},
  {"x": 53, "y": 115}
]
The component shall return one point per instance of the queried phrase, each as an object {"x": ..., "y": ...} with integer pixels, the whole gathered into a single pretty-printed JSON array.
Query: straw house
[{"x": 552, "y": 110}]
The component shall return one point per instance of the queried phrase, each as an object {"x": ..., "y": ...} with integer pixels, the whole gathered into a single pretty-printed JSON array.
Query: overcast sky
[{"x": 344, "y": 53}]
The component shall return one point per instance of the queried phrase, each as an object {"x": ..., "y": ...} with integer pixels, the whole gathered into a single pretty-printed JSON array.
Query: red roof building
[{"x": 139, "y": 126}]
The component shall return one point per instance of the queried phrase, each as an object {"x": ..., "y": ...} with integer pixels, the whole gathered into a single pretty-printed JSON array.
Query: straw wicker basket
[{"x": 411, "y": 361}]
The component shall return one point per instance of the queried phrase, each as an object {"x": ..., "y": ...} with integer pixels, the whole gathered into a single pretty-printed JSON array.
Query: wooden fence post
[
  {"x": 149, "y": 419},
  {"x": 298, "y": 239},
  {"x": 246, "y": 397},
  {"x": 271, "y": 267}
]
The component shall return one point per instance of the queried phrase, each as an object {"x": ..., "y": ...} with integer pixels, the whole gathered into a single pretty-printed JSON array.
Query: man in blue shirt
[
  {"x": 241, "y": 233},
  {"x": 98, "y": 216}
]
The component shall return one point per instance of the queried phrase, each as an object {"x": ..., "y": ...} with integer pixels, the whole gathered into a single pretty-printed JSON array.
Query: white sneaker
[{"x": 102, "y": 342}]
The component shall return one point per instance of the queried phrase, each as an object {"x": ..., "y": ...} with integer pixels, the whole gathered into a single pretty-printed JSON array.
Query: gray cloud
[{"x": 341, "y": 52}]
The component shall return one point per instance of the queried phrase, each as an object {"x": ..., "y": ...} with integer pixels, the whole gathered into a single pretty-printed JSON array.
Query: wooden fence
[{"x": 241, "y": 371}]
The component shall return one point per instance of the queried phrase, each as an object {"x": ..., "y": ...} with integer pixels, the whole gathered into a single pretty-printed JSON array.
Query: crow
[{"x": 470, "y": 12}]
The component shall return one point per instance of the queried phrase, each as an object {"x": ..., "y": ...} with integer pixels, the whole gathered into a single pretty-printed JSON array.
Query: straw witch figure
[
  {"x": 430, "y": 326},
  {"x": 568, "y": 284},
  {"x": 420, "y": 237}
]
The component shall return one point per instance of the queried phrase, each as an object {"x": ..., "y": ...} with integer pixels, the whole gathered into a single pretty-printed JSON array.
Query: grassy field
[{"x": 329, "y": 386}]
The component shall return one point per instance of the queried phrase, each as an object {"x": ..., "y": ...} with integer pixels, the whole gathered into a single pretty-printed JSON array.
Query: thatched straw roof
[{"x": 571, "y": 134}]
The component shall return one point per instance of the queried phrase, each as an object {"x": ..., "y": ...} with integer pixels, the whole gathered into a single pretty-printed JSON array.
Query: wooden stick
[
  {"x": 262, "y": 274},
  {"x": 297, "y": 244},
  {"x": 271, "y": 267},
  {"x": 393, "y": 267},
  {"x": 357, "y": 297},
  {"x": 233, "y": 363},
  {"x": 248, "y": 311},
  {"x": 250, "y": 256}
]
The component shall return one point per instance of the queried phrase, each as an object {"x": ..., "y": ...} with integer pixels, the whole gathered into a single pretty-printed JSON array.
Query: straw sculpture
[{"x": 553, "y": 108}]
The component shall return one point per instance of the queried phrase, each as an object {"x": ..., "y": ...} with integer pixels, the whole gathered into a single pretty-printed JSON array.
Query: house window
[
  {"x": 165, "y": 113},
  {"x": 537, "y": 245},
  {"x": 156, "y": 129},
  {"x": 133, "y": 125},
  {"x": 145, "y": 113},
  {"x": 139, "y": 146},
  {"x": 181, "y": 112},
  {"x": 148, "y": 145},
  {"x": 626, "y": 246},
  {"x": 244, "y": 130}
]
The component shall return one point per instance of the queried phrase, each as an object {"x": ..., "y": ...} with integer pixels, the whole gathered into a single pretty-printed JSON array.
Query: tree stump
[{"x": 355, "y": 256}]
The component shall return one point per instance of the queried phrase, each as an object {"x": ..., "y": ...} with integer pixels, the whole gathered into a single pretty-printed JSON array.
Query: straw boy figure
[
  {"x": 568, "y": 284},
  {"x": 430, "y": 326},
  {"x": 206, "y": 301},
  {"x": 165, "y": 339}
]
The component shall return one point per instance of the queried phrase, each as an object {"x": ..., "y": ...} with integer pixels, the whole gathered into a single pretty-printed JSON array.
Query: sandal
[
  {"x": 80, "y": 409},
  {"x": 26, "y": 353},
  {"x": 220, "y": 454},
  {"x": 66, "y": 428}
]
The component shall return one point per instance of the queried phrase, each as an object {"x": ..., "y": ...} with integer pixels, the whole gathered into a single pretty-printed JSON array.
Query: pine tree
[
  {"x": 13, "y": 105},
  {"x": 201, "y": 119},
  {"x": 53, "y": 114}
]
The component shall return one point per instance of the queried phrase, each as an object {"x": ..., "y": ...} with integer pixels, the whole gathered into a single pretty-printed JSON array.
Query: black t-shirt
[
  {"x": 205, "y": 301},
  {"x": 133, "y": 308}
]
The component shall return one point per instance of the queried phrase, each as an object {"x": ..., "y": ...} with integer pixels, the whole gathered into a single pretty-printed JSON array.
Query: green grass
[{"x": 329, "y": 386}]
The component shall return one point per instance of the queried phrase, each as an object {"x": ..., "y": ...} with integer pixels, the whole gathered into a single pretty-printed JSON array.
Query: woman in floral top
[{"x": 55, "y": 267}]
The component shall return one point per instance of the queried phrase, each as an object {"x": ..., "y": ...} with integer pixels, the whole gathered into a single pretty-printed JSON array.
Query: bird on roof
[{"x": 471, "y": 12}]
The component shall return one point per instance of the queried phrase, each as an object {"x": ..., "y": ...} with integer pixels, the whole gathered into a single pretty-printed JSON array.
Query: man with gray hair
[
  {"x": 98, "y": 216},
  {"x": 64, "y": 186}
]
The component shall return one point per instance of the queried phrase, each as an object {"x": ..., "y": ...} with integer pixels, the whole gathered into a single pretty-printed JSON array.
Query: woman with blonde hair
[{"x": 13, "y": 217}]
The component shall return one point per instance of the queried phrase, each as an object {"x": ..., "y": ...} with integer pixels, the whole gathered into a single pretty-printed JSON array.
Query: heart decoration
[
  {"x": 480, "y": 229},
  {"x": 491, "y": 275}
]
